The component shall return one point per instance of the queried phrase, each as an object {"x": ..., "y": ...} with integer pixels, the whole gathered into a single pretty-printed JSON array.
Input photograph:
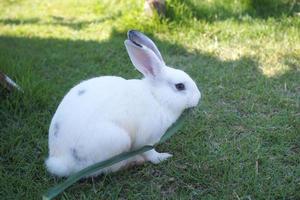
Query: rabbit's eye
[{"x": 180, "y": 86}]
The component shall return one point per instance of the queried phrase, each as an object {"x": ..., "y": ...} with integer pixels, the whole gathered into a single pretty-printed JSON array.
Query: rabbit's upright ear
[{"x": 144, "y": 54}]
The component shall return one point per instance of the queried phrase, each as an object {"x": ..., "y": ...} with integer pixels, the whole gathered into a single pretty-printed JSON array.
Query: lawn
[{"x": 242, "y": 142}]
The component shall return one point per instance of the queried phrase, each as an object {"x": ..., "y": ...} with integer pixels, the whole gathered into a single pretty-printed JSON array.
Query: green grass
[{"x": 242, "y": 143}]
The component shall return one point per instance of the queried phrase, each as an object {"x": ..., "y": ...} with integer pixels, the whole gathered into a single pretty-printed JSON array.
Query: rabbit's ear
[
  {"x": 144, "y": 59},
  {"x": 141, "y": 39}
]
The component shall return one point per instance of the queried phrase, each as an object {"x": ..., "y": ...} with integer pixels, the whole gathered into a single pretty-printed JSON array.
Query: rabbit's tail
[{"x": 60, "y": 166}]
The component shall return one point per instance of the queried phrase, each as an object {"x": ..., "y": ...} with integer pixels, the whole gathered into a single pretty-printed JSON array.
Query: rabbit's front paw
[{"x": 155, "y": 157}]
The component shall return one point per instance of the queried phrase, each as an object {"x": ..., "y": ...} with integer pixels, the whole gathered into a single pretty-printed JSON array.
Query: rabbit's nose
[
  {"x": 199, "y": 95},
  {"x": 195, "y": 99}
]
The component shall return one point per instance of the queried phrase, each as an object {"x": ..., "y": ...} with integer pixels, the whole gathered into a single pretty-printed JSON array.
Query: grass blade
[
  {"x": 175, "y": 127},
  {"x": 53, "y": 192},
  {"x": 56, "y": 190}
]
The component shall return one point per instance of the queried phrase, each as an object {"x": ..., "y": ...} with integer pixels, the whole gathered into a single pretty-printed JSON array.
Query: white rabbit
[{"x": 105, "y": 116}]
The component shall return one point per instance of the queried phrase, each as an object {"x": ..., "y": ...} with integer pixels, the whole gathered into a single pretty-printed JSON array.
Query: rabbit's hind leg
[{"x": 101, "y": 142}]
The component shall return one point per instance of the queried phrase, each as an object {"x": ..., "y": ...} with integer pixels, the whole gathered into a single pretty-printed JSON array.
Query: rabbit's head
[{"x": 173, "y": 88}]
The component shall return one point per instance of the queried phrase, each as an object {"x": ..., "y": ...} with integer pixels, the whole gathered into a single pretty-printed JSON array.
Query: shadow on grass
[{"x": 233, "y": 90}]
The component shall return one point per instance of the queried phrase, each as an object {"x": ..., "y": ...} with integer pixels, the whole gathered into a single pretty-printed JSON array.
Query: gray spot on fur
[
  {"x": 81, "y": 92},
  {"x": 76, "y": 155},
  {"x": 56, "y": 129}
]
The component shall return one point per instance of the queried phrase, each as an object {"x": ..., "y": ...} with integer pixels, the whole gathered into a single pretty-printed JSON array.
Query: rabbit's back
[{"x": 125, "y": 103}]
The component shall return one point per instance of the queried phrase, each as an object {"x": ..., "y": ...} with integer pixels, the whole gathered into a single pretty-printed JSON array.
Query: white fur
[{"x": 108, "y": 115}]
